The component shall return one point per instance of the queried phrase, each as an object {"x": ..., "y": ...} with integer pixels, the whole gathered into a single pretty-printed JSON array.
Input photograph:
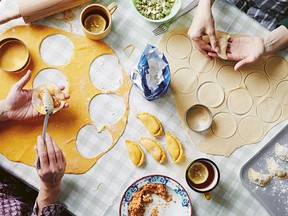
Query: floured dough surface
[
  {"x": 65, "y": 124},
  {"x": 245, "y": 104}
]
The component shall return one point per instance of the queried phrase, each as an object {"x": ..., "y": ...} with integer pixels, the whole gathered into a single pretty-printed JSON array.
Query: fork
[{"x": 165, "y": 26}]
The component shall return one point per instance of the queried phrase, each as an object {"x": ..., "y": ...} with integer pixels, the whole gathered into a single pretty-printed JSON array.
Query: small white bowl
[{"x": 176, "y": 7}]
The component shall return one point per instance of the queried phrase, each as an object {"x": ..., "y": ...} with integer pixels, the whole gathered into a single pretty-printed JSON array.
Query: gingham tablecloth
[{"x": 99, "y": 191}]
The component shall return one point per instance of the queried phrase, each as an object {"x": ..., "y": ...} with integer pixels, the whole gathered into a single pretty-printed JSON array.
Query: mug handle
[
  {"x": 112, "y": 7},
  {"x": 207, "y": 196}
]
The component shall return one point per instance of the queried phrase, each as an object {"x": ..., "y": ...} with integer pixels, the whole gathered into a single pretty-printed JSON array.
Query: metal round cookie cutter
[
  {"x": 198, "y": 118},
  {"x": 14, "y": 55}
]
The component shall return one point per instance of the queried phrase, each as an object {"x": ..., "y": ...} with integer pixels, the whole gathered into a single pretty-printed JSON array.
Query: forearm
[
  {"x": 48, "y": 195},
  {"x": 276, "y": 40},
  {"x": 3, "y": 111}
]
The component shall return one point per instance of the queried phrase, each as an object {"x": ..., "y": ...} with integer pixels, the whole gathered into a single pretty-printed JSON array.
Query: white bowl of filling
[{"x": 157, "y": 11}]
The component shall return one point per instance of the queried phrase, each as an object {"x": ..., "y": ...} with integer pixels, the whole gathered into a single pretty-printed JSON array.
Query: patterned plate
[{"x": 180, "y": 204}]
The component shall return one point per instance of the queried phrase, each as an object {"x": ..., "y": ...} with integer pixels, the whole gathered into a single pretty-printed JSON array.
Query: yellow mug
[
  {"x": 202, "y": 175},
  {"x": 104, "y": 12}
]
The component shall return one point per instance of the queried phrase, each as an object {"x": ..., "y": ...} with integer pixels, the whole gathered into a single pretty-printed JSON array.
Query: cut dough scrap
[
  {"x": 151, "y": 122},
  {"x": 135, "y": 152},
  {"x": 276, "y": 170},
  {"x": 281, "y": 152},
  {"x": 259, "y": 178},
  {"x": 57, "y": 95},
  {"x": 174, "y": 147},
  {"x": 154, "y": 148}
]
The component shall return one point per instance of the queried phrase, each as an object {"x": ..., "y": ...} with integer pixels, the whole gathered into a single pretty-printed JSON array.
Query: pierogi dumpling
[
  {"x": 135, "y": 152},
  {"x": 259, "y": 178},
  {"x": 281, "y": 152},
  {"x": 57, "y": 95},
  {"x": 276, "y": 170},
  {"x": 154, "y": 148},
  {"x": 151, "y": 122},
  {"x": 174, "y": 147}
]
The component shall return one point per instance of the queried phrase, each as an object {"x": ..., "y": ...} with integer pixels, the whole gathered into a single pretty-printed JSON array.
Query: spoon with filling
[{"x": 49, "y": 107}]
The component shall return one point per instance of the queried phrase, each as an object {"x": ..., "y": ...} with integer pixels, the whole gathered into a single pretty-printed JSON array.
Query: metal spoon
[{"x": 49, "y": 106}]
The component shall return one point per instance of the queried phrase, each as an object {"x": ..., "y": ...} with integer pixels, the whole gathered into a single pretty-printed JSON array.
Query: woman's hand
[
  {"x": 51, "y": 171},
  {"x": 245, "y": 50},
  {"x": 203, "y": 24},
  {"x": 18, "y": 103}
]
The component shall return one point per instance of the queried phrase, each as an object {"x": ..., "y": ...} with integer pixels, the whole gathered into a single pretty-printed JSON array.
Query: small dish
[
  {"x": 198, "y": 118},
  {"x": 180, "y": 204},
  {"x": 175, "y": 8},
  {"x": 14, "y": 55}
]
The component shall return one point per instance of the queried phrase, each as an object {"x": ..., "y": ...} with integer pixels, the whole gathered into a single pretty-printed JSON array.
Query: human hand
[
  {"x": 245, "y": 50},
  {"x": 203, "y": 24},
  {"x": 18, "y": 103},
  {"x": 52, "y": 169}
]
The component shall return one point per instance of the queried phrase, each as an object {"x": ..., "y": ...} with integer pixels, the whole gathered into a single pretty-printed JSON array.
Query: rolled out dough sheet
[
  {"x": 18, "y": 138},
  {"x": 245, "y": 104}
]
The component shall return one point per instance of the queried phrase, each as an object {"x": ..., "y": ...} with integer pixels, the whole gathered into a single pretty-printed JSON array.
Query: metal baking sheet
[{"x": 274, "y": 196}]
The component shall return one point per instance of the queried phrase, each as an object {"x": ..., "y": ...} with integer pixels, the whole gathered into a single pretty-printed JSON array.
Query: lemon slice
[
  {"x": 198, "y": 173},
  {"x": 95, "y": 23}
]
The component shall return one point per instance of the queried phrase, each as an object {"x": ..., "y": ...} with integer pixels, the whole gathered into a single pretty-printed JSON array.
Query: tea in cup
[
  {"x": 202, "y": 175},
  {"x": 96, "y": 20}
]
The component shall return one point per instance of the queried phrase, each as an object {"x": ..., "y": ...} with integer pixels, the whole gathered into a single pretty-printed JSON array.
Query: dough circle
[
  {"x": 281, "y": 92},
  {"x": 239, "y": 101},
  {"x": 210, "y": 94},
  {"x": 276, "y": 68},
  {"x": 257, "y": 84},
  {"x": 179, "y": 46},
  {"x": 63, "y": 50},
  {"x": 228, "y": 78},
  {"x": 182, "y": 84},
  {"x": 224, "y": 125},
  {"x": 250, "y": 129},
  {"x": 203, "y": 66},
  {"x": 269, "y": 110}
]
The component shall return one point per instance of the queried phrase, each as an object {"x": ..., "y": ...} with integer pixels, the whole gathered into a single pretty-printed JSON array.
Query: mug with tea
[
  {"x": 96, "y": 20},
  {"x": 202, "y": 175}
]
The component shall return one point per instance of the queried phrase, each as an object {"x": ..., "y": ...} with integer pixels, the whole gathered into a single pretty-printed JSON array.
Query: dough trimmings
[
  {"x": 154, "y": 148},
  {"x": 152, "y": 123},
  {"x": 174, "y": 147},
  {"x": 259, "y": 178},
  {"x": 276, "y": 170},
  {"x": 281, "y": 151},
  {"x": 135, "y": 152}
]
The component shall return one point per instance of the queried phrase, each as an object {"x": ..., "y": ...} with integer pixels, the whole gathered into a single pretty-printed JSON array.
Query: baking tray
[{"x": 274, "y": 196}]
